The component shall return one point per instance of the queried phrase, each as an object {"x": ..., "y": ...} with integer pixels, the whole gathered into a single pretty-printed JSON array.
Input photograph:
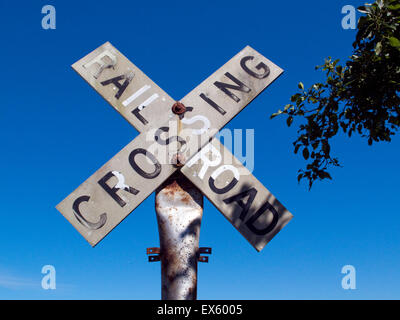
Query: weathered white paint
[{"x": 136, "y": 94}]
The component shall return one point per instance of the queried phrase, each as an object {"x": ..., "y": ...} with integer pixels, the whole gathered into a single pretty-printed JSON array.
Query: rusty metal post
[{"x": 179, "y": 208}]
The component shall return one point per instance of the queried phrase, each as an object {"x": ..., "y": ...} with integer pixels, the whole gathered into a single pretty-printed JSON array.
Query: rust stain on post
[{"x": 179, "y": 208}]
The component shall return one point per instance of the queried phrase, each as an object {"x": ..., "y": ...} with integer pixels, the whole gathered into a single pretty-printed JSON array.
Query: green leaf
[
  {"x": 328, "y": 176},
  {"x": 394, "y": 7},
  {"x": 394, "y": 42},
  {"x": 289, "y": 121},
  {"x": 275, "y": 114},
  {"x": 324, "y": 174},
  {"x": 362, "y": 9},
  {"x": 378, "y": 48},
  {"x": 299, "y": 177},
  {"x": 306, "y": 154},
  {"x": 301, "y": 86},
  {"x": 287, "y": 107},
  {"x": 295, "y": 97},
  {"x": 326, "y": 147}
]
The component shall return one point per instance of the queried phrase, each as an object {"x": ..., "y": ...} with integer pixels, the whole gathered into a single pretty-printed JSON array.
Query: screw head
[{"x": 178, "y": 108}]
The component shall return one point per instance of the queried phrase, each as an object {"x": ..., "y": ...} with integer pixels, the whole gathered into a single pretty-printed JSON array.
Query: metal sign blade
[
  {"x": 134, "y": 95},
  {"x": 240, "y": 197},
  {"x": 117, "y": 188},
  {"x": 224, "y": 94},
  {"x": 213, "y": 103}
]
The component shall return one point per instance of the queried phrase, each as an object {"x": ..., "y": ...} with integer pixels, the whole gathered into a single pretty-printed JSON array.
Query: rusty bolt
[
  {"x": 178, "y": 108},
  {"x": 178, "y": 159}
]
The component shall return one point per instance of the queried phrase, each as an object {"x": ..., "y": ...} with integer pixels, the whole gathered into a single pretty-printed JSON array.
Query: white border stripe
[
  {"x": 148, "y": 101},
  {"x": 136, "y": 94}
]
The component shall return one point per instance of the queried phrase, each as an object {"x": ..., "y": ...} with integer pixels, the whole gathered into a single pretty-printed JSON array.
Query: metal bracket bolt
[
  {"x": 204, "y": 250},
  {"x": 178, "y": 108},
  {"x": 154, "y": 254}
]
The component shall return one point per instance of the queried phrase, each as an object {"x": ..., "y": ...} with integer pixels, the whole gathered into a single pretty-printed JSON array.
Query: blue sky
[{"x": 55, "y": 134}]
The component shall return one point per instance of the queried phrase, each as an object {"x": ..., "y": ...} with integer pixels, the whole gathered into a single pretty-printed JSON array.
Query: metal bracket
[
  {"x": 154, "y": 258},
  {"x": 154, "y": 254},
  {"x": 203, "y": 259},
  {"x": 153, "y": 250},
  {"x": 204, "y": 250}
]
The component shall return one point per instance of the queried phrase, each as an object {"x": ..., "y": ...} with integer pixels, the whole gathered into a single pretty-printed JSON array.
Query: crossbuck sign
[{"x": 119, "y": 186}]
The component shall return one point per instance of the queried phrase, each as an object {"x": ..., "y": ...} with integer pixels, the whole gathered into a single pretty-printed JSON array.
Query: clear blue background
[{"x": 55, "y": 132}]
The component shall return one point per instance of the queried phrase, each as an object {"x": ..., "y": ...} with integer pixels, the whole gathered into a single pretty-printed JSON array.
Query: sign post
[
  {"x": 179, "y": 208},
  {"x": 176, "y": 144}
]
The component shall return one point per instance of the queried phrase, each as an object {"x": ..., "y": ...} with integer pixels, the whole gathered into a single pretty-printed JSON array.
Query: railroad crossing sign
[{"x": 119, "y": 186}]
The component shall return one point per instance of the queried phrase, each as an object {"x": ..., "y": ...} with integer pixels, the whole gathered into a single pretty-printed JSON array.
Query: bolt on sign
[{"x": 118, "y": 187}]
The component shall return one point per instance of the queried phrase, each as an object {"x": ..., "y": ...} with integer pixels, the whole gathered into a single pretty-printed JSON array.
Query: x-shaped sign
[{"x": 119, "y": 186}]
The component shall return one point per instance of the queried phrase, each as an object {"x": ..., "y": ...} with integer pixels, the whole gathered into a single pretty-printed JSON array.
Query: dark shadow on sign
[{"x": 282, "y": 214}]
